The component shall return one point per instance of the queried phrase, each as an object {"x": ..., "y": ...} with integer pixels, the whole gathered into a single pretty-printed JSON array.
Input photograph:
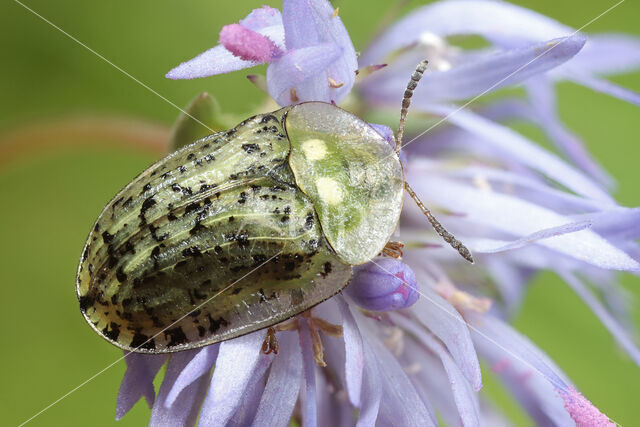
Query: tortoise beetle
[{"x": 244, "y": 229}]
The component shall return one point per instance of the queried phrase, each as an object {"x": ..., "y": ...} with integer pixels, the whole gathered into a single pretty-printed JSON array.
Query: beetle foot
[
  {"x": 393, "y": 249},
  {"x": 270, "y": 343}
]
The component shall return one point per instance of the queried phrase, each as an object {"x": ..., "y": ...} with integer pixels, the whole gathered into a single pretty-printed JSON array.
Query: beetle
[{"x": 244, "y": 229}]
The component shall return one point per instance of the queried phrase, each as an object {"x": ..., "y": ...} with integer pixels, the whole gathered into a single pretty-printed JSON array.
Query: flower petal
[
  {"x": 262, "y": 17},
  {"x": 463, "y": 394},
  {"x": 297, "y": 70},
  {"x": 445, "y": 18},
  {"x": 184, "y": 410},
  {"x": 371, "y": 389},
  {"x": 138, "y": 380},
  {"x": 493, "y": 246},
  {"x": 603, "y": 314},
  {"x": 518, "y": 217},
  {"x": 605, "y": 86},
  {"x": 201, "y": 364},
  {"x": 401, "y": 403},
  {"x": 530, "y": 375},
  {"x": 311, "y": 22},
  {"x": 230, "y": 378},
  {"x": 354, "y": 360},
  {"x": 543, "y": 103},
  {"x": 477, "y": 76},
  {"x": 248, "y": 44},
  {"x": 309, "y": 407},
  {"x": 521, "y": 149},
  {"x": 219, "y": 60},
  {"x": 445, "y": 322},
  {"x": 608, "y": 54},
  {"x": 251, "y": 398},
  {"x": 281, "y": 392}
]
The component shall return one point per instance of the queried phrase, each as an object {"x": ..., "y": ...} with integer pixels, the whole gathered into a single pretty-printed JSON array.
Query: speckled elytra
[{"x": 303, "y": 193}]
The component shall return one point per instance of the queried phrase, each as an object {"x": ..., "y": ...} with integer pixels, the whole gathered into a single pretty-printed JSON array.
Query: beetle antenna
[
  {"x": 406, "y": 100},
  {"x": 442, "y": 232}
]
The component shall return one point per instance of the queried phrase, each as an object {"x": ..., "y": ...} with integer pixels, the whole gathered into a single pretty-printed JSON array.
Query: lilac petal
[
  {"x": 463, "y": 394},
  {"x": 445, "y": 322},
  {"x": 219, "y": 60},
  {"x": 281, "y": 392},
  {"x": 543, "y": 102},
  {"x": 608, "y": 54},
  {"x": 522, "y": 150},
  {"x": 310, "y": 409},
  {"x": 248, "y": 44},
  {"x": 184, "y": 410},
  {"x": 480, "y": 75},
  {"x": 371, "y": 389},
  {"x": 251, "y": 398},
  {"x": 530, "y": 375},
  {"x": 262, "y": 18},
  {"x": 400, "y": 404},
  {"x": 201, "y": 364},
  {"x": 386, "y": 133},
  {"x": 528, "y": 188},
  {"x": 493, "y": 246},
  {"x": 487, "y": 18},
  {"x": 230, "y": 378},
  {"x": 296, "y": 69},
  {"x": 604, "y": 316},
  {"x": 605, "y": 86},
  {"x": 519, "y": 217},
  {"x": 354, "y": 360},
  {"x": 312, "y": 22},
  {"x": 510, "y": 280},
  {"x": 138, "y": 380}
]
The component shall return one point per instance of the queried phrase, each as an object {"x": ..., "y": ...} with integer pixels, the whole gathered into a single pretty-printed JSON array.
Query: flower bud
[{"x": 384, "y": 285}]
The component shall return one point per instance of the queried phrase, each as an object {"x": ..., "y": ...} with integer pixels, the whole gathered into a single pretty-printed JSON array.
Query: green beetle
[{"x": 242, "y": 229}]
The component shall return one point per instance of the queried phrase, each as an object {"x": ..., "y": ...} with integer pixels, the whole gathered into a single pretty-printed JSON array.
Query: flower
[
  {"x": 308, "y": 49},
  {"x": 403, "y": 342}
]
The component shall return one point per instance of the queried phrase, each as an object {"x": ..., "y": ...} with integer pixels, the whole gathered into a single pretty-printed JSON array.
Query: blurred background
[{"x": 74, "y": 130}]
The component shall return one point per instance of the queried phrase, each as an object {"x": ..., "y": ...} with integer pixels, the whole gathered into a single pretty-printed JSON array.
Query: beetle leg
[
  {"x": 393, "y": 249},
  {"x": 270, "y": 343}
]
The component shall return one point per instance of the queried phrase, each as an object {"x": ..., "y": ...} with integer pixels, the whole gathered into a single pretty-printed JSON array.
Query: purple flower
[
  {"x": 403, "y": 342},
  {"x": 309, "y": 52}
]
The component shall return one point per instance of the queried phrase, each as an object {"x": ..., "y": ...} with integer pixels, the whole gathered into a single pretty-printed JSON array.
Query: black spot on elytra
[
  {"x": 206, "y": 187},
  {"x": 182, "y": 169},
  {"x": 261, "y": 295},
  {"x": 267, "y": 118},
  {"x": 191, "y": 207},
  {"x": 287, "y": 210},
  {"x": 192, "y": 251},
  {"x": 113, "y": 333},
  {"x": 153, "y": 229},
  {"x": 201, "y": 331},
  {"x": 106, "y": 237},
  {"x": 116, "y": 203},
  {"x": 236, "y": 291},
  {"x": 218, "y": 249},
  {"x": 250, "y": 148},
  {"x": 184, "y": 190},
  {"x": 284, "y": 219},
  {"x": 142, "y": 341},
  {"x": 195, "y": 313},
  {"x": 146, "y": 188},
  {"x": 289, "y": 266},
  {"x": 165, "y": 175},
  {"x": 327, "y": 269},
  {"x": 309, "y": 221},
  {"x": 171, "y": 216},
  {"x": 120, "y": 275},
  {"x": 177, "y": 336},
  {"x": 191, "y": 156},
  {"x": 86, "y": 301},
  {"x": 231, "y": 218},
  {"x": 215, "y": 324},
  {"x": 148, "y": 203},
  {"x": 127, "y": 202},
  {"x": 209, "y": 158}
]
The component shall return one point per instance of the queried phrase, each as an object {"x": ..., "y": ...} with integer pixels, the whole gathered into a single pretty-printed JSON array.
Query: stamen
[
  {"x": 270, "y": 343},
  {"x": 335, "y": 12},
  {"x": 293, "y": 95},
  {"x": 334, "y": 84}
]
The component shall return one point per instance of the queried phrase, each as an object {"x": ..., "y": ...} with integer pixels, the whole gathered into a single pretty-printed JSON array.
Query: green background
[{"x": 51, "y": 196}]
